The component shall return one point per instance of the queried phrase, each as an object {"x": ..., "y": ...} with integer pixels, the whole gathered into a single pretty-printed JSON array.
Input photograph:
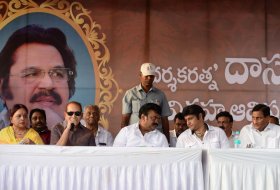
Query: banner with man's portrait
[{"x": 49, "y": 58}]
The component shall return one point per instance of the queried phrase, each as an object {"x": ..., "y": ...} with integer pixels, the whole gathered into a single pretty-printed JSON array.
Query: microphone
[{"x": 72, "y": 126}]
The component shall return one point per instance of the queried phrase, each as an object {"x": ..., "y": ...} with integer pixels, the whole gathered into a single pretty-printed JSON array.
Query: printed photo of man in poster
[{"x": 39, "y": 69}]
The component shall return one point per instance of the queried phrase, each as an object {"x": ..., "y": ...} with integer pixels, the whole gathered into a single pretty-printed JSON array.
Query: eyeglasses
[
  {"x": 56, "y": 74},
  {"x": 77, "y": 113}
]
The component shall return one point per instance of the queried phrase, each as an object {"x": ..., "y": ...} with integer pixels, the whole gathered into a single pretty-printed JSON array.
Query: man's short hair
[
  {"x": 225, "y": 114},
  {"x": 148, "y": 107},
  {"x": 74, "y": 102},
  {"x": 95, "y": 107},
  {"x": 179, "y": 116},
  {"x": 36, "y": 34},
  {"x": 39, "y": 111},
  {"x": 193, "y": 110},
  {"x": 262, "y": 108}
]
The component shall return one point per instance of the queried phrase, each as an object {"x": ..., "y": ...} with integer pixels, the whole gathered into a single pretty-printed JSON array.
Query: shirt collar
[
  {"x": 43, "y": 130},
  {"x": 206, "y": 126},
  {"x": 139, "y": 88},
  {"x": 138, "y": 128},
  {"x": 268, "y": 127}
]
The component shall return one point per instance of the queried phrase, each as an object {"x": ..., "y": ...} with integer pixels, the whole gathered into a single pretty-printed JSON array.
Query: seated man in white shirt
[
  {"x": 260, "y": 133},
  {"x": 144, "y": 132},
  {"x": 225, "y": 122},
  {"x": 179, "y": 127},
  {"x": 91, "y": 118},
  {"x": 200, "y": 134}
]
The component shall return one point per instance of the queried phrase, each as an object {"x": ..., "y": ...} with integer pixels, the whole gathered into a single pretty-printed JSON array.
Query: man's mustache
[
  {"x": 39, "y": 124},
  {"x": 155, "y": 124},
  {"x": 56, "y": 96}
]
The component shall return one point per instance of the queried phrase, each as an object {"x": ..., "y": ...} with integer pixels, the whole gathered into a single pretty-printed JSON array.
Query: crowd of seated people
[
  {"x": 144, "y": 122},
  {"x": 81, "y": 127}
]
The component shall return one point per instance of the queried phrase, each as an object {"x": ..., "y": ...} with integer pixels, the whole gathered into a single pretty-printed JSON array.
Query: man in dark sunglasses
[{"x": 71, "y": 132}]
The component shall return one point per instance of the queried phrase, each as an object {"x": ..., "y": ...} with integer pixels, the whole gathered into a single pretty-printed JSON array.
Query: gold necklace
[
  {"x": 199, "y": 134},
  {"x": 19, "y": 133}
]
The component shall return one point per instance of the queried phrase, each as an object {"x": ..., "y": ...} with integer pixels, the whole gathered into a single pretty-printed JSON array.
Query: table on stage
[
  {"x": 45, "y": 167},
  {"x": 248, "y": 169},
  {"x": 66, "y": 168}
]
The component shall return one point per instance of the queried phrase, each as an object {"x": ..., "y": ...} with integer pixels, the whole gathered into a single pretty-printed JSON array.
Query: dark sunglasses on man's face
[{"x": 77, "y": 113}]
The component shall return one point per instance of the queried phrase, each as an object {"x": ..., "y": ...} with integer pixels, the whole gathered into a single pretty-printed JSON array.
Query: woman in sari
[{"x": 19, "y": 132}]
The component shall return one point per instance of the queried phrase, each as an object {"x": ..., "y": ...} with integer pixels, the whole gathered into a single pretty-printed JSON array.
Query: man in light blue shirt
[{"x": 144, "y": 93}]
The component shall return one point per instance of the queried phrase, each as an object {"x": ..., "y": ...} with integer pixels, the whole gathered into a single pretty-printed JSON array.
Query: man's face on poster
[{"x": 38, "y": 79}]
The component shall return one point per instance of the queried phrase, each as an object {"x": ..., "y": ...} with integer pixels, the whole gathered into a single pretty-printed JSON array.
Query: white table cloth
[
  {"x": 35, "y": 167},
  {"x": 244, "y": 169}
]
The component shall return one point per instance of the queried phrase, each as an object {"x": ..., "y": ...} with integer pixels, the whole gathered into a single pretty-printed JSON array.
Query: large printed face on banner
[
  {"x": 40, "y": 69},
  {"x": 52, "y": 53},
  {"x": 39, "y": 76}
]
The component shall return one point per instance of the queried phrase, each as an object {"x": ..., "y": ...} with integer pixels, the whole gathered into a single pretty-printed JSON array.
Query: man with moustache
[
  {"x": 71, "y": 132},
  {"x": 180, "y": 126},
  {"x": 200, "y": 134},
  {"x": 38, "y": 122},
  {"x": 38, "y": 69},
  {"x": 260, "y": 133},
  {"x": 144, "y": 132},
  {"x": 144, "y": 93},
  {"x": 225, "y": 122}
]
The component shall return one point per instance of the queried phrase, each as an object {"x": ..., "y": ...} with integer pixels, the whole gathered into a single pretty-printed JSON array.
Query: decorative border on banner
[{"x": 79, "y": 18}]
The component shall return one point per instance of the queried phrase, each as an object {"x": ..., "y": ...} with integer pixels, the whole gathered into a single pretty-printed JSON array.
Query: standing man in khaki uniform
[{"x": 144, "y": 93}]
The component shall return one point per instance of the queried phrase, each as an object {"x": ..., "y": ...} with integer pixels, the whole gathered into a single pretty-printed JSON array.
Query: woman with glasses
[{"x": 19, "y": 132}]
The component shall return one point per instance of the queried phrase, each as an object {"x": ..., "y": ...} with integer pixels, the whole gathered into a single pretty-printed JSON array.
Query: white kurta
[
  {"x": 268, "y": 138},
  {"x": 103, "y": 137},
  {"x": 214, "y": 137},
  {"x": 132, "y": 136}
]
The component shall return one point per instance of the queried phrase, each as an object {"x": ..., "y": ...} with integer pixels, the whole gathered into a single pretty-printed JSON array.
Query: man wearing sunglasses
[
  {"x": 38, "y": 69},
  {"x": 71, "y": 132}
]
